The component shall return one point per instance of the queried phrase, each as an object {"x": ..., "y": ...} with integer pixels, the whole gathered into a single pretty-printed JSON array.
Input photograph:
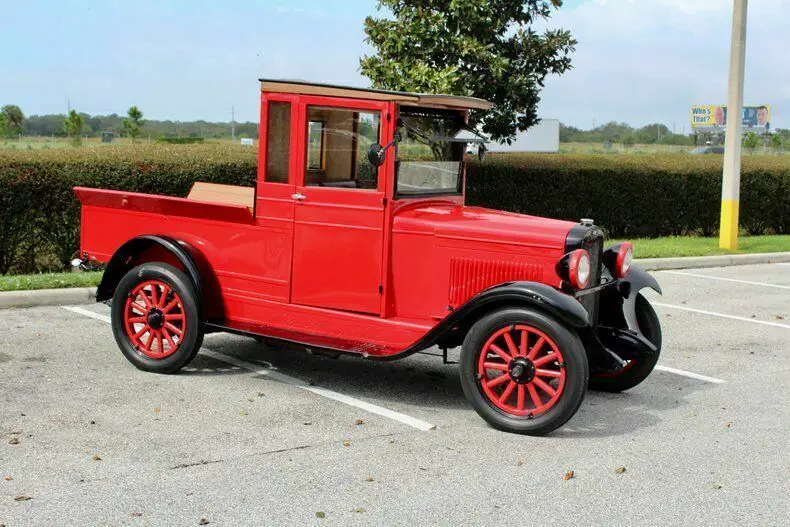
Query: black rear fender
[{"x": 128, "y": 255}]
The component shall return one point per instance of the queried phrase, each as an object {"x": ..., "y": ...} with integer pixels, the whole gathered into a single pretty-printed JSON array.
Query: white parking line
[
  {"x": 693, "y": 375},
  {"x": 722, "y": 315},
  {"x": 763, "y": 284},
  {"x": 293, "y": 381},
  {"x": 87, "y": 313}
]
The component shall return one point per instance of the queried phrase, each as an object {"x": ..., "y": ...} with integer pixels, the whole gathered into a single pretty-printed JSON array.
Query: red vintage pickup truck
[{"x": 355, "y": 239}]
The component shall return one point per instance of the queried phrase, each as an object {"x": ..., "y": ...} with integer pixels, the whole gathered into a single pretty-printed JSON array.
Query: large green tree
[
  {"x": 133, "y": 123},
  {"x": 13, "y": 118},
  {"x": 480, "y": 48}
]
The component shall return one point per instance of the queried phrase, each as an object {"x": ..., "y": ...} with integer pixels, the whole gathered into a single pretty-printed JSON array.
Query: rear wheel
[
  {"x": 155, "y": 318},
  {"x": 523, "y": 372},
  {"x": 636, "y": 370}
]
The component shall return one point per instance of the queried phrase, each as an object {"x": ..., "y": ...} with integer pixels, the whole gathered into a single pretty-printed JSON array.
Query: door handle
[{"x": 298, "y": 196}]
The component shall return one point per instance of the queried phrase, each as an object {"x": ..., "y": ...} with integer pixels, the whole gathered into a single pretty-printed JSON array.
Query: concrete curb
[
  {"x": 85, "y": 295},
  {"x": 726, "y": 260},
  {"x": 47, "y": 297}
]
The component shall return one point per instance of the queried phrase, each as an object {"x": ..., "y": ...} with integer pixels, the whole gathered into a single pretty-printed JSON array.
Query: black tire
[
  {"x": 191, "y": 339},
  {"x": 636, "y": 370},
  {"x": 575, "y": 367}
]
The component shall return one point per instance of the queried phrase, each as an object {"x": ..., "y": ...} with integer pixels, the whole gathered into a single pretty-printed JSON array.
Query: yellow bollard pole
[{"x": 731, "y": 176}]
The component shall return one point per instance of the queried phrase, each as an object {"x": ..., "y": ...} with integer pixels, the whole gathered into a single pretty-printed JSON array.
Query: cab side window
[
  {"x": 278, "y": 143},
  {"x": 337, "y": 145}
]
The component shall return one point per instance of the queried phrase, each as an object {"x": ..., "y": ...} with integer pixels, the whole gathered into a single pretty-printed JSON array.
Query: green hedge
[
  {"x": 630, "y": 196},
  {"x": 180, "y": 140},
  {"x": 634, "y": 196}
]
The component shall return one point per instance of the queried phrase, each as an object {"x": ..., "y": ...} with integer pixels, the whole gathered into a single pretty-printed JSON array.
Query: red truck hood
[{"x": 478, "y": 224}]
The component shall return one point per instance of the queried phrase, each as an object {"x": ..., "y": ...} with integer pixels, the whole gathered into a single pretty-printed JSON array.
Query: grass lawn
[
  {"x": 24, "y": 282},
  {"x": 672, "y": 246}
]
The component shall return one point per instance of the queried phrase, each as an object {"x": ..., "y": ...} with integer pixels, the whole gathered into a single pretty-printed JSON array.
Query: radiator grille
[
  {"x": 594, "y": 246},
  {"x": 468, "y": 276}
]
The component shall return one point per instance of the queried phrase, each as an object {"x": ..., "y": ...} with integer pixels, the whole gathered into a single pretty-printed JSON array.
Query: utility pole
[
  {"x": 731, "y": 176},
  {"x": 232, "y": 123}
]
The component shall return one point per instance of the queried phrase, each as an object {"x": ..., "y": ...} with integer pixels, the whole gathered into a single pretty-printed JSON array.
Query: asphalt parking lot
[{"x": 251, "y": 436}]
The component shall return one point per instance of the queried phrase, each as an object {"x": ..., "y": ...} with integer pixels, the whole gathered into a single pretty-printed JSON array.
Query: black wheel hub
[
  {"x": 521, "y": 370},
  {"x": 156, "y": 319}
]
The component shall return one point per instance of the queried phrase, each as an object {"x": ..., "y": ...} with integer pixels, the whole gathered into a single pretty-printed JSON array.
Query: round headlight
[
  {"x": 579, "y": 268},
  {"x": 624, "y": 258}
]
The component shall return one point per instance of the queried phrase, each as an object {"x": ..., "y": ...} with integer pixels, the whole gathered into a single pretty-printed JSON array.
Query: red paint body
[{"x": 359, "y": 270}]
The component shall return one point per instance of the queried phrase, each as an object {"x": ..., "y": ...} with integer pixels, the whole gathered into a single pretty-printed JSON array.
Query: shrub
[
  {"x": 631, "y": 195},
  {"x": 180, "y": 140},
  {"x": 628, "y": 195}
]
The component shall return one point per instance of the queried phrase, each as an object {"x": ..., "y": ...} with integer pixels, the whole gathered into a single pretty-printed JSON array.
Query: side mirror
[{"x": 377, "y": 154}]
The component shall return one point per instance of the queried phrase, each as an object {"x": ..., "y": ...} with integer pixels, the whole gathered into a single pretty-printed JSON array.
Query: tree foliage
[
  {"x": 13, "y": 119},
  {"x": 652, "y": 133},
  {"x": 615, "y": 132},
  {"x": 751, "y": 141},
  {"x": 52, "y": 124},
  {"x": 133, "y": 123},
  {"x": 73, "y": 126},
  {"x": 481, "y": 48}
]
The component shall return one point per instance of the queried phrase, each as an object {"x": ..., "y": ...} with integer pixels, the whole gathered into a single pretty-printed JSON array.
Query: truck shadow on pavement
[{"x": 424, "y": 381}]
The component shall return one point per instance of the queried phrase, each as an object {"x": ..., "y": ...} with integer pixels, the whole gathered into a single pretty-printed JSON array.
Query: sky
[{"x": 638, "y": 61}]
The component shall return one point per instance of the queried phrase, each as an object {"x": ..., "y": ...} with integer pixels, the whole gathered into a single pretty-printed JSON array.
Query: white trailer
[{"x": 543, "y": 137}]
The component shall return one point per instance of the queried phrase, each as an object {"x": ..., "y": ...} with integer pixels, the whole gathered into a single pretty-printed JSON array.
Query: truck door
[
  {"x": 339, "y": 207},
  {"x": 274, "y": 209}
]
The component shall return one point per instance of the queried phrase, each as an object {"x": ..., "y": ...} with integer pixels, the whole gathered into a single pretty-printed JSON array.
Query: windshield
[{"x": 428, "y": 161}]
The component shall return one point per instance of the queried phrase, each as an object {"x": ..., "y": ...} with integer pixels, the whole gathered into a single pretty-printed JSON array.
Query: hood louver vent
[{"x": 469, "y": 276}]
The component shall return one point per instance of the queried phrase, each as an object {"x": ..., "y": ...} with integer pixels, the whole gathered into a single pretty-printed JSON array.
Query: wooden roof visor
[{"x": 416, "y": 99}]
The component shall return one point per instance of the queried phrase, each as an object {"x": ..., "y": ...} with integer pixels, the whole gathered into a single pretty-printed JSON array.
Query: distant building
[{"x": 543, "y": 137}]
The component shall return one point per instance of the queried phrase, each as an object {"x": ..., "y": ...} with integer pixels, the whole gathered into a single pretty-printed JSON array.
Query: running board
[{"x": 299, "y": 339}]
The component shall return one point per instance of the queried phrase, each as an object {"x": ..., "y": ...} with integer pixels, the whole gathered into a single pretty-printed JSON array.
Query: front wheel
[
  {"x": 155, "y": 318},
  {"x": 523, "y": 371},
  {"x": 636, "y": 370}
]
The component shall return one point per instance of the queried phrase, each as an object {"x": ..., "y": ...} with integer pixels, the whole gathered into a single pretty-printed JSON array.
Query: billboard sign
[{"x": 715, "y": 116}]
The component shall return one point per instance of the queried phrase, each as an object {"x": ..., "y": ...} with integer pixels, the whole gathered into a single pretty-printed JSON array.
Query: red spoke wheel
[
  {"x": 638, "y": 369},
  {"x": 523, "y": 371},
  {"x": 155, "y": 318}
]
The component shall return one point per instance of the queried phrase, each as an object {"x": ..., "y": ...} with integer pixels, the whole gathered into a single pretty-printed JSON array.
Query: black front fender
[
  {"x": 530, "y": 295},
  {"x": 637, "y": 280}
]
